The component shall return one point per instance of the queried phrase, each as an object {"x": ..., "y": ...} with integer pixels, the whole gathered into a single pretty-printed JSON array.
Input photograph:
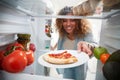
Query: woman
[{"x": 72, "y": 31}]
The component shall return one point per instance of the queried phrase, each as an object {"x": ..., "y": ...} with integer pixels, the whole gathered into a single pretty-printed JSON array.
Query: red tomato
[
  {"x": 30, "y": 57},
  {"x": 1, "y": 58},
  {"x": 46, "y": 30},
  {"x": 15, "y": 62},
  {"x": 32, "y": 47},
  {"x": 104, "y": 57},
  {"x": 16, "y": 44}
]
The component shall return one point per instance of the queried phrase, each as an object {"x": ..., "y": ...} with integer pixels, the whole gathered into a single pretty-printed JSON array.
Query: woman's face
[{"x": 69, "y": 25}]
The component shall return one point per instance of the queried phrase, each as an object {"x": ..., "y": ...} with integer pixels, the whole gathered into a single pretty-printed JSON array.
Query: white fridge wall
[
  {"x": 38, "y": 38},
  {"x": 12, "y": 21},
  {"x": 38, "y": 33}
]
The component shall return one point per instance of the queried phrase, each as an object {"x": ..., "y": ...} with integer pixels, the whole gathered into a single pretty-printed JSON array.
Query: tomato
[
  {"x": 104, "y": 57},
  {"x": 32, "y": 47},
  {"x": 16, "y": 44},
  {"x": 15, "y": 62},
  {"x": 30, "y": 57},
  {"x": 1, "y": 58},
  {"x": 46, "y": 30}
]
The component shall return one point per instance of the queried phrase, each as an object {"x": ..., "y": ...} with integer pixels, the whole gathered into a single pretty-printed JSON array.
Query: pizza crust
[{"x": 53, "y": 60}]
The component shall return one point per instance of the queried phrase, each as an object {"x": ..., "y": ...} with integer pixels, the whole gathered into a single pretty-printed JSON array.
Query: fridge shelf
[
  {"x": 6, "y": 39},
  {"x": 26, "y": 7},
  {"x": 105, "y": 15}
]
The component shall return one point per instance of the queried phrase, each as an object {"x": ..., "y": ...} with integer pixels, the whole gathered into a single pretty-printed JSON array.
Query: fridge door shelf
[{"x": 6, "y": 39}]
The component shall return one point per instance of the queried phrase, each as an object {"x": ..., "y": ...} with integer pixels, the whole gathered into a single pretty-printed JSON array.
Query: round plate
[{"x": 81, "y": 56}]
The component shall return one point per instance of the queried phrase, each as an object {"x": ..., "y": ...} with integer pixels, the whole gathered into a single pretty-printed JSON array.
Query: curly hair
[{"x": 82, "y": 25}]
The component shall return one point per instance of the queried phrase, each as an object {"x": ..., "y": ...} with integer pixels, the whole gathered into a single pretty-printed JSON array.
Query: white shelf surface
[{"x": 22, "y": 76}]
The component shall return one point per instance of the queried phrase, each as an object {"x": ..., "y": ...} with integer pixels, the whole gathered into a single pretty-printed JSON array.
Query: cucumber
[
  {"x": 111, "y": 70},
  {"x": 115, "y": 56}
]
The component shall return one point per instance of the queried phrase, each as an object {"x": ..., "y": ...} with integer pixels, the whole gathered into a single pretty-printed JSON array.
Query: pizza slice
[{"x": 60, "y": 58}]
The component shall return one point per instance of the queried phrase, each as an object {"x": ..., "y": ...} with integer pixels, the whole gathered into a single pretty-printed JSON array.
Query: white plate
[{"x": 81, "y": 56}]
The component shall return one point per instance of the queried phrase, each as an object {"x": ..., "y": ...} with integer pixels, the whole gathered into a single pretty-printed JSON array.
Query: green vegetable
[
  {"x": 98, "y": 51},
  {"x": 115, "y": 56},
  {"x": 111, "y": 70}
]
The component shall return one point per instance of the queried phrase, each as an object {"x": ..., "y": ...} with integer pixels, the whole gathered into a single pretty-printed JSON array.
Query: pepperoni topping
[
  {"x": 67, "y": 55},
  {"x": 63, "y": 55}
]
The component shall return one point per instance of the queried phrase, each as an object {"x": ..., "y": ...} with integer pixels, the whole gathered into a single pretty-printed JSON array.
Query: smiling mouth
[{"x": 69, "y": 28}]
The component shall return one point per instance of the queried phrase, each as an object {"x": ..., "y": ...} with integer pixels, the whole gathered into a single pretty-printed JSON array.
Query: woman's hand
[{"x": 85, "y": 47}]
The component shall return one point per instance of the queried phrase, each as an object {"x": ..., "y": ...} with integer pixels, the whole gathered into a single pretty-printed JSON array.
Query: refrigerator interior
[{"x": 32, "y": 17}]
